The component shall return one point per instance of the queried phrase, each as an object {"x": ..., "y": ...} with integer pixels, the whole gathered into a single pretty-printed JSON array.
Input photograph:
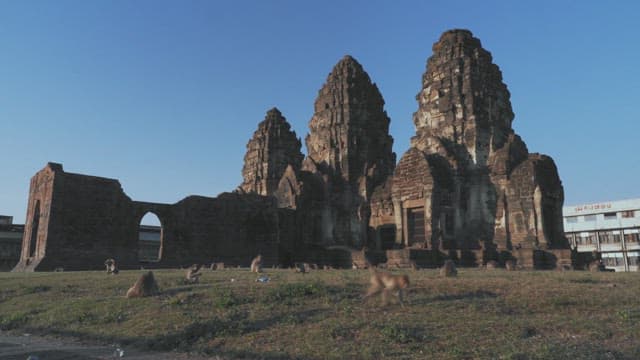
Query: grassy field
[{"x": 478, "y": 315}]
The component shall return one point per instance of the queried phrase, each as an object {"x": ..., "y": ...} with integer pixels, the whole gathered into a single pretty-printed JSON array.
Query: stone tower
[
  {"x": 273, "y": 148},
  {"x": 350, "y": 148},
  {"x": 468, "y": 181}
]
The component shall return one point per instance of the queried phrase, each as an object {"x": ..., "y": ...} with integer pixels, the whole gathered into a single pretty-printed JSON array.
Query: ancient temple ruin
[
  {"x": 466, "y": 189},
  {"x": 468, "y": 184}
]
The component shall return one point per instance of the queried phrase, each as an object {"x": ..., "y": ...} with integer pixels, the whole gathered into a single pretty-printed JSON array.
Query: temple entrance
[
  {"x": 150, "y": 238},
  {"x": 35, "y": 224},
  {"x": 415, "y": 226},
  {"x": 388, "y": 237}
]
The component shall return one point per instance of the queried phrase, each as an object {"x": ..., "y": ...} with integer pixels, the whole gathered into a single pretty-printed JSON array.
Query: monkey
[
  {"x": 382, "y": 282},
  {"x": 448, "y": 269},
  {"x": 595, "y": 266},
  {"x": 256, "y": 264},
  {"x": 491, "y": 265},
  {"x": 193, "y": 276},
  {"x": 145, "y": 286},
  {"x": 414, "y": 266},
  {"x": 111, "y": 266},
  {"x": 217, "y": 266},
  {"x": 302, "y": 267},
  {"x": 510, "y": 265}
]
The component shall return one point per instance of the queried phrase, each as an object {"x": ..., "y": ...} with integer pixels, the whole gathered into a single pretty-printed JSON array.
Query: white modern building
[
  {"x": 149, "y": 243},
  {"x": 610, "y": 228},
  {"x": 10, "y": 242}
]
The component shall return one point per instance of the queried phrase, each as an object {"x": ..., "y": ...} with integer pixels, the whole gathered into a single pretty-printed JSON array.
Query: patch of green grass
[
  {"x": 292, "y": 294},
  {"x": 226, "y": 299},
  {"x": 403, "y": 334},
  {"x": 13, "y": 321}
]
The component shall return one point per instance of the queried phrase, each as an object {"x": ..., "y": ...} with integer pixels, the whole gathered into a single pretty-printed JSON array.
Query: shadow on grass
[
  {"x": 181, "y": 289},
  {"x": 471, "y": 295}
]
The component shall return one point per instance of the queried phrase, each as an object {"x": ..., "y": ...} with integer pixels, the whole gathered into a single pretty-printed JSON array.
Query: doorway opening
[
  {"x": 415, "y": 222},
  {"x": 35, "y": 224}
]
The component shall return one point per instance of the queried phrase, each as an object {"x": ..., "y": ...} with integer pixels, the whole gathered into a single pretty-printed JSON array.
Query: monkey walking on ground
[
  {"x": 256, "y": 264},
  {"x": 382, "y": 282},
  {"x": 145, "y": 286},
  {"x": 110, "y": 264},
  {"x": 193, "y": 276}
]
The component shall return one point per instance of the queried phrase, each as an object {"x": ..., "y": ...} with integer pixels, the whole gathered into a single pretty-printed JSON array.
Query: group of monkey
[{"x": 381, "y": 282}]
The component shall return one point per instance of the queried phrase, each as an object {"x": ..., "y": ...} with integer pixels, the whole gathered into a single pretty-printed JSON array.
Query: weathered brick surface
[
  {"x": 480, "y": 188},
  {"x": 86, "y": 219},
  {"x": 273, "y": 148},
  {"x": 350, "y": 150}
]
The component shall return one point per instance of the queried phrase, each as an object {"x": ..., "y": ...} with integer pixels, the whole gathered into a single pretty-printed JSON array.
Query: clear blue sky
[{"x": 164, "y": 95}]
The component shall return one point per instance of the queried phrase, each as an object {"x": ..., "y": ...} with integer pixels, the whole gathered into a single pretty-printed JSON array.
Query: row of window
[
  {"x": 617, "y": 259},
  {"x": 606, "y": 237},
  {"x": 607, "y": 216}
]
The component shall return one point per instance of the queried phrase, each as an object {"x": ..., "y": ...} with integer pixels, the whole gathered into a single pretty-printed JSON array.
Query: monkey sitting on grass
[
  {"x": 193, "y": 275},
  {"x": 111, "y": 266},
  {"x": 256, "y": 264},
  {"x": 145, "y": 286}
]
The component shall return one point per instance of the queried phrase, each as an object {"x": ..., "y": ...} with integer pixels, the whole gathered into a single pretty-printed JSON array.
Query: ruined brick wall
[
  {"x": 83, "y": 220},
  {"x": 231, "y": 228},
  {"x": 38, "y": 214}
]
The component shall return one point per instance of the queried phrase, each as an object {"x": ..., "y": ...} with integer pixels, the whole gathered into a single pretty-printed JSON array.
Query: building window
[
  {"x": 628, "y": 214},
  {"x": 572, "y": 219},
  {"x": 631, "y": 236},
  {"x": 586, "y": 238},
  {"x": 613, "y": 259},
  {"x": 610, "y": 237},
  {"x": 634, "y": 258},
  {"x": 610, "y": 216},
  {"x": 589, "y": 218}
]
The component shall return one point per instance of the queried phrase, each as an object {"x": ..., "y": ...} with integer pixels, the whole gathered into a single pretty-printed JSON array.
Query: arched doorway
[
  {"x": 150, "y": 238},
  {"x": 35, "y": 224}
]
